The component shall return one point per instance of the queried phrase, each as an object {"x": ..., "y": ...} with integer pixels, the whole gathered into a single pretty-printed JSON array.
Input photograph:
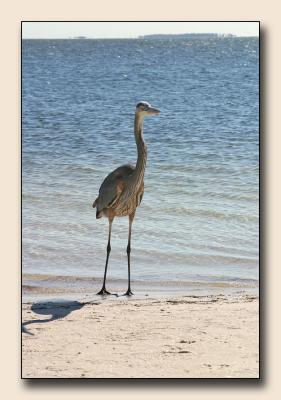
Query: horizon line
[{"x": 82, "y": 37}]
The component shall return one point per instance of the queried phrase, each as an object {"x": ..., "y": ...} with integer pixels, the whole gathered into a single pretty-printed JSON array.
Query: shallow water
[{"x": 198, "y": 221}]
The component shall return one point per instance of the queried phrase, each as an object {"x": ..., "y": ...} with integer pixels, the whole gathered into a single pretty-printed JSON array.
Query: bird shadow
[{"x": 55, "y": 309}]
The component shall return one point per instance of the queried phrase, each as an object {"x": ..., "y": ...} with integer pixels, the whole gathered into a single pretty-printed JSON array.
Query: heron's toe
[{"x": 128, "y": 293}]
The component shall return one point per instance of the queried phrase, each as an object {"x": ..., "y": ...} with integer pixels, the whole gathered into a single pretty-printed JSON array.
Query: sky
[{"x": 61, "y": 30}]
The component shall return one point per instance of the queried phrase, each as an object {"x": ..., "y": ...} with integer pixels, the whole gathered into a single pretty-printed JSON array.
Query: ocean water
[{"x": 199, "y": 217}]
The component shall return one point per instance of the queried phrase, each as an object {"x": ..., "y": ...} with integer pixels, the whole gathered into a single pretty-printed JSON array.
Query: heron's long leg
[
  {"x": 108, "y": 249},
  {"x": 131, "y": 218}
]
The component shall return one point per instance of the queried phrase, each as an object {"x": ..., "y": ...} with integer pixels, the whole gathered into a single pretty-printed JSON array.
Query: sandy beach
[{"x": 213, "y": 336}]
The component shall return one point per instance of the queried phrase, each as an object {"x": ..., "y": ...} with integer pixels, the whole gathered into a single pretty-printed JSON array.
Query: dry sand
[{"x": 183, "y": 337}]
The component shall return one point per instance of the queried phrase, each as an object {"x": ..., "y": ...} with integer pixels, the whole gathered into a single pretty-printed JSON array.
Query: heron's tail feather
[{"x": 98, "y": 214}]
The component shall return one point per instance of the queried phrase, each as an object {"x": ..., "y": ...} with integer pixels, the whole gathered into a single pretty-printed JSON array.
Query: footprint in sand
[{"x": 187, "y": 341}]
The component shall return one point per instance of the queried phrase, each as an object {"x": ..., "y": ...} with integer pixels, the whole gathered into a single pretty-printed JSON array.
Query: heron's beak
[{"x": 153, "y": 111}]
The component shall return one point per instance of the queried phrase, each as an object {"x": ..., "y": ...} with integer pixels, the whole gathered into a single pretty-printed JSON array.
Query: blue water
[{"x": 199, "y": 216}]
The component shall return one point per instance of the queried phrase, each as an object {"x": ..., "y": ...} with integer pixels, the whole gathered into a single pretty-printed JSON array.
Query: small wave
[
  {"x": 42, "y": 290},
  {"x": 57, "y": 278},
  {"x": 204, "y": 213},
  {"x": 34, "y": 282}
]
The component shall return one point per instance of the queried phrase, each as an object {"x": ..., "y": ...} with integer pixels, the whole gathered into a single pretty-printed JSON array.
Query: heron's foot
[
  {"x": 128, "y": 293},
  {"x": 103, "y": 292}
]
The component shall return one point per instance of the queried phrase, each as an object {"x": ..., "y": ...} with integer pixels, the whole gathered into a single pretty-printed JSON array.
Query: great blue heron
[{"x": 122, "y": 190}]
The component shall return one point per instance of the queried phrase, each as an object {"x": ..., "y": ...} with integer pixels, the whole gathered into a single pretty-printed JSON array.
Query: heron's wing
[{"x": 113, "y": 185}]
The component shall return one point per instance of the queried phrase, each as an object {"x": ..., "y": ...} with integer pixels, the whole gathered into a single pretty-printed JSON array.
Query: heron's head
[{"x": 143, "y": 108}]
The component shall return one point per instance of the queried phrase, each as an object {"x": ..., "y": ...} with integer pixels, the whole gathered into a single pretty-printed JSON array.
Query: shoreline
[
  {"x": 38, "y": 287},
  {"x": 182, "y": 337}
]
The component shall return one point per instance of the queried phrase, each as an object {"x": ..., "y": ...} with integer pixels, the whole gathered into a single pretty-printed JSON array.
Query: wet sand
[
  {"x": 36, "y": 287},
  {"x": 214, "y": 336}
]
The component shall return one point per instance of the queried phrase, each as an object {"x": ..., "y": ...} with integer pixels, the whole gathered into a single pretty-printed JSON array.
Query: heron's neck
[{"x": 141, "y": 147}]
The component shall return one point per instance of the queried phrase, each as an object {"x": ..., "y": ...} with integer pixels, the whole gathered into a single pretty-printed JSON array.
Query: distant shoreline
[
  {"x": 188, "y": 36},
  {"x": 157, "y": 37}
]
